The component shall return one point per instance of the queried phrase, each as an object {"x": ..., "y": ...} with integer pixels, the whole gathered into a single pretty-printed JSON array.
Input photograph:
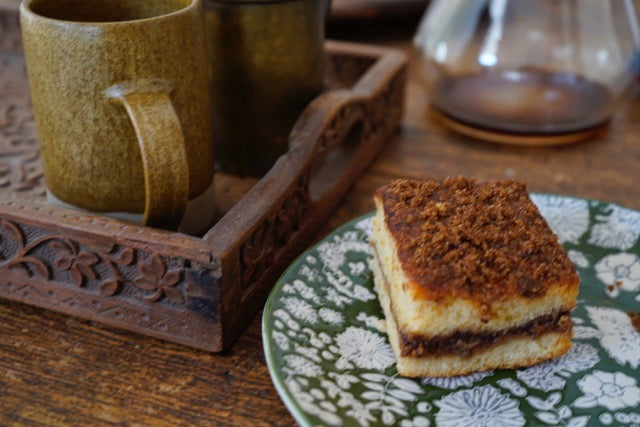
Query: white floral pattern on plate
[
  {"x": 480, "y": 406},
  {"x": 452, "y": 383},
  {"x": 331, "y": 316},
  {"x": 612, "y": 390},
  {"x": 567, "y": 217},
  {"x": 360, "y": 348},
  {"x": 551, "y": 375},
  {"x": 332, "y": 364},
  {"x": 619, "y": 228},
  {"x": 578, "y": 258},
  {"x": 619, "y": 338},
  {"x": 619, "y": 271},
  {"x": 551, "y": 414}
]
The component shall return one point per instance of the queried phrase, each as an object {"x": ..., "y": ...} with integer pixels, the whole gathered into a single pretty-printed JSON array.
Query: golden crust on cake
[
  {"x": 472, "y": 276},
  {"x": 481, "y": 241}
]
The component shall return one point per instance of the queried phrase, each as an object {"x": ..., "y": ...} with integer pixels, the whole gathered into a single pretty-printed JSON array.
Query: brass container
[{"x": 267, "y": 64}]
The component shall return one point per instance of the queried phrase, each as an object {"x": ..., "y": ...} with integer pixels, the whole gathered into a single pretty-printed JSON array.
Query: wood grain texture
[{"x": 56, "y": 370}]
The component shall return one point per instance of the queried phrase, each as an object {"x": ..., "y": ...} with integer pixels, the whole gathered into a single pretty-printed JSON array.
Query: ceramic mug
[{"x": 119, "y": 91}]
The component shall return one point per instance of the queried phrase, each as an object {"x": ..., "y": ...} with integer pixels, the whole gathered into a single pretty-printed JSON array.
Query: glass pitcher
[{"x": 528, "y": 67}]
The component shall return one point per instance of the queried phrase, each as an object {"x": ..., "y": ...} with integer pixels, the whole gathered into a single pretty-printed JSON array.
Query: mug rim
[{"x": 25, "y": 10}]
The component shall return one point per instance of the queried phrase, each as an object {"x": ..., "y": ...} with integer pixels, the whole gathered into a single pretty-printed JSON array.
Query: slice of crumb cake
[{"x": 470, "y": 277}]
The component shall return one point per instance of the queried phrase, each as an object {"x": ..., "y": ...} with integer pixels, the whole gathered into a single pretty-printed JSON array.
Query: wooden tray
[
  {"x": 196, "y": 291},
  {"x": 375, "y": 9}
]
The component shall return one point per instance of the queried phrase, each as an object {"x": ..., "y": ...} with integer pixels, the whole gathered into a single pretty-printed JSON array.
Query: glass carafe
[{"x": 528, "y": 67}]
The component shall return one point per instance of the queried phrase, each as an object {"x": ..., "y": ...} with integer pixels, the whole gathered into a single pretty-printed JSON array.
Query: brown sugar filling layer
[
  {"x": 466, "y": 343},
  {"x": 484, "y": 241}
]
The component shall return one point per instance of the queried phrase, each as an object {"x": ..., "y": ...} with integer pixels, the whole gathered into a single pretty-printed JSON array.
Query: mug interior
[{"x": 105, "y": 10}]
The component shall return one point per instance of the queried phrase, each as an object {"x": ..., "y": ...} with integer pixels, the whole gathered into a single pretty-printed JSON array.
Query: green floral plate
[{"x": 332, "y": 364}]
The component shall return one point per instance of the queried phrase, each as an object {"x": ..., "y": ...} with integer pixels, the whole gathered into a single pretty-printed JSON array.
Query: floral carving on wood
[
  {"x": 22, "y": 257},
  {"x": 20, "y": 165},
  {"x": 261, "y": 250},
  {"x": 335, "y": 132},
  {"x": 79, "y": 263},
  {"x": 257, "y": 253},
  {"x": 154, "y": 277},
  {"x": 293, "y": 210},
  {"x": 22, "y": 172},
  {"x": 105, "y": 267}
]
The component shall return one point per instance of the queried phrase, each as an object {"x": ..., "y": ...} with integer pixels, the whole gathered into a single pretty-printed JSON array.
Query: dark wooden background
[{"x": 57, "y": 370}]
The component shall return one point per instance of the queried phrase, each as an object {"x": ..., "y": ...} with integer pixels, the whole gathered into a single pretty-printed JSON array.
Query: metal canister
[{"x": 267, "y": 64}]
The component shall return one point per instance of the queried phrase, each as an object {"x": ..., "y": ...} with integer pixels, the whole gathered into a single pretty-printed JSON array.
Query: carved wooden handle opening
[{"x": 334, "y": 164}]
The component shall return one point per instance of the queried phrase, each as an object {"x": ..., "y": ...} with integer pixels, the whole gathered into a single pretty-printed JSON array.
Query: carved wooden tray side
[
  {"x": 199, "y": 292},
  {"x": 373, "y": 9}
]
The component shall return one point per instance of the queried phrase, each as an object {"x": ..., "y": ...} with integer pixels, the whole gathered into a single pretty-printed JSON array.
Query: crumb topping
[
  {"x": 485, "y": 241},
  {"x": 635, "y": 320}
]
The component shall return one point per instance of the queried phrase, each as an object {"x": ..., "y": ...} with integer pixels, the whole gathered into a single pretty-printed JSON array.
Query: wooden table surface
[{"x": 57, "y": 370}]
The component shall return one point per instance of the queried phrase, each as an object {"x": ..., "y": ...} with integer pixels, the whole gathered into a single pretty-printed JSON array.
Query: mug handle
[{"x": 162, "y": 148}]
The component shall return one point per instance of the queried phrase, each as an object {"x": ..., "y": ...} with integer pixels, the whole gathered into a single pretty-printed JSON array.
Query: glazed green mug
[{"x": 122, "y": 110}]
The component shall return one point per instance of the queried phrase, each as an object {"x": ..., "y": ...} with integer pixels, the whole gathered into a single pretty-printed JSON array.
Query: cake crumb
[
  {"x": 613, "y": 287},
  {"x": 635, "y": 320}
]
